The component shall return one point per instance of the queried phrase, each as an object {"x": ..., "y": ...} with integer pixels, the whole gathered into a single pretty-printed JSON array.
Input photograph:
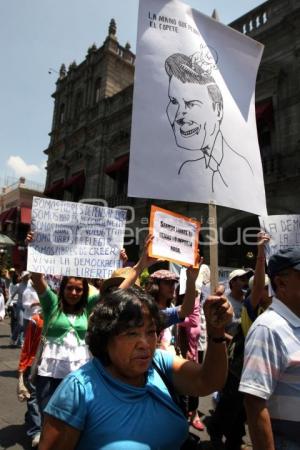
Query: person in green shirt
[{"x": 66, "y": 317}]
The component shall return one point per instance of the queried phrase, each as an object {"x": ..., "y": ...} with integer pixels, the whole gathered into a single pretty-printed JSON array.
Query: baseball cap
[
  {"x": 286, "y": 258},
  {"x": 25, "y": 273},
  {"x": 267, "y": 281},
  {"x": 117, "y": 277},
  {"x": 164, "y": 275},
  {"x": 240, "y": 273}
]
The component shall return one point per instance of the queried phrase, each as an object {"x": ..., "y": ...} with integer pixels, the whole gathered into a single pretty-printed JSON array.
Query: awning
[
  {"x": 118, "y": 165},
  {"x": 8, "y": 215},
  {"x": 264, "y": 112},
  {"x": 5, "y": 240},
  {"x": 78, "y": 180},
  {"x": 55, "y": 188},
  {"x": 25, "y": 215}
]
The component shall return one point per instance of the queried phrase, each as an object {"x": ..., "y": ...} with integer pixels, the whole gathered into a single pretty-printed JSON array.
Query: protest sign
[
  {"x": 284, "y": 231},
  {"x": 193, "y": 135},
  {"x": 175, "y": 237},
  {"x": 75, "y": 239}
]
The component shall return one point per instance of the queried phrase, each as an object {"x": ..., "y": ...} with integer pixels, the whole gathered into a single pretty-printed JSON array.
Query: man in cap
[
  {"x": 271, "y": 373},
  {"x": 238, "y": 284}
]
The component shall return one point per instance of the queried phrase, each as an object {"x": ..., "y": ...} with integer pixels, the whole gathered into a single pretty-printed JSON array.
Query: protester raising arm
[
  {"x": 123, "y": 340},
  {"x": 192, "y": 379},
  {"x": 39, "y": 282},
  {"x": 144, "y": 262},
  {"x": 260, "y": 272},
  {"x": 188, "y": 304}
]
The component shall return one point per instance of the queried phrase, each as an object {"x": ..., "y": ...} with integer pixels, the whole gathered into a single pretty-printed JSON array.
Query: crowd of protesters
[{"x": 113, "y": 364}]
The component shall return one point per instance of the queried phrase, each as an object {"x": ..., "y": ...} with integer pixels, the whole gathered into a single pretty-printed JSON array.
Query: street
[{"x": 12, "y": 431}]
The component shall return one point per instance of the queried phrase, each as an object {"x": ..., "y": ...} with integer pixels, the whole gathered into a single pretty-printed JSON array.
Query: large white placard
[
  {"x": 193, "y": 135},
  {"x": 175, "y": 237},
  {"x": 284, "y": 231},
  {"x": 75, "y": 239}
]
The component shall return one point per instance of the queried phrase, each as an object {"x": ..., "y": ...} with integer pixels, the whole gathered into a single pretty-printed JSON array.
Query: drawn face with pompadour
[{"x": 195, "y": 109}]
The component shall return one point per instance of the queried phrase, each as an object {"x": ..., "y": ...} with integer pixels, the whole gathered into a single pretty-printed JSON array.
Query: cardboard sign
[
  {"x": 175, "y": 237},
  {"x": 75, "y": 239},
  {"x": 284, "y": 231},
  {"x": 193, "y": 134}
]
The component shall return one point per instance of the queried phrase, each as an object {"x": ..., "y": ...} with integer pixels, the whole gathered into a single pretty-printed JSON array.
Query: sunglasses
[{"x": 78, "y": 290}]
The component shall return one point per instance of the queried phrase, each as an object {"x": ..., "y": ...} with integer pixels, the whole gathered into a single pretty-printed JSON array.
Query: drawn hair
[{"x": 185, "y": 69}]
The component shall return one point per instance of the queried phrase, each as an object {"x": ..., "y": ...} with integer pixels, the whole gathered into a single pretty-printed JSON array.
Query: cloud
[
  {"x": 21, "y": 168},
  {"x": 43, "y": 165}
]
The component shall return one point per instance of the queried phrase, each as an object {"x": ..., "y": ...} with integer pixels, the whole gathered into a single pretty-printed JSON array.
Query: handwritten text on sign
[
  {"x": 75, "y": 239},
  {"x": 284, "y": 231},
  {"x": 175, "y": 236}
]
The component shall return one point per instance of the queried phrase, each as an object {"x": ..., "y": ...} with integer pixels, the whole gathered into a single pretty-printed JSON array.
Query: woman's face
[
  {"x": 73, "y": 291},
  {"x": 131, "y": 352},
  {"x": 167, "y": 289}
]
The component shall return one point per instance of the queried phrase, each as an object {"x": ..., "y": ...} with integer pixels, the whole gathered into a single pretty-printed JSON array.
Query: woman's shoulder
[{"x": 163, "y": 359}]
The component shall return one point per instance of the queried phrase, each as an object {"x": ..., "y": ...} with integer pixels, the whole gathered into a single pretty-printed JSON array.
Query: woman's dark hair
[
  {"x": 79, "y": 307},
  {"x": 117, "y": 312},
  {"x": 153, "y": 290}
]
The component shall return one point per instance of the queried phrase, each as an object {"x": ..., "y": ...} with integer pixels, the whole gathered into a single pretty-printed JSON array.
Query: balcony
[
  {"x": 269, "y": 13},
  {"x": 272, "y": 167}
]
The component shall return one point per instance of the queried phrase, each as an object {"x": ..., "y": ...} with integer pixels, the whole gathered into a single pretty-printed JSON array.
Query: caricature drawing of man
[{"x": 195, "y": 112}]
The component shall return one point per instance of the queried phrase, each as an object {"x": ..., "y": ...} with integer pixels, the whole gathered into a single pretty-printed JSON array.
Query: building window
[
  {"x": 264, "y": 139},
  {"x": 97, "y": 90}
]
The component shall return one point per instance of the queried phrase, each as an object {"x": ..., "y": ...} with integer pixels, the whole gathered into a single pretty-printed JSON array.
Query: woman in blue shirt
[{"x": 119, "y": 400}]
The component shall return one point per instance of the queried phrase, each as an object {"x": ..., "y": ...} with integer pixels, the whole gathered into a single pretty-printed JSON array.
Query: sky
[{"x": 36, "y": 35}]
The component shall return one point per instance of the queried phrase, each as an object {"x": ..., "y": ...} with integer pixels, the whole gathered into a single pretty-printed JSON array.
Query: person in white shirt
[
  {"x": 30, "y": 304},
  {"x": 2, "y": 307}
]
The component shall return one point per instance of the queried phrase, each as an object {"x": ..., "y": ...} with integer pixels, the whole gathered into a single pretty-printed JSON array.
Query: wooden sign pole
[{"x": 213, "y": 246}]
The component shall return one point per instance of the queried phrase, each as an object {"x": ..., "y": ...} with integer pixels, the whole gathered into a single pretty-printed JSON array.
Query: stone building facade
[{"x": 90, "y": 138}]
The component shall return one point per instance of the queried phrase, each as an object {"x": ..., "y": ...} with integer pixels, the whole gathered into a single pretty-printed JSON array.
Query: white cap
[
  {"x": 25, "y": 273},
  {"x": 239, "y": 273},
  {"x": 267, "y": 282}
]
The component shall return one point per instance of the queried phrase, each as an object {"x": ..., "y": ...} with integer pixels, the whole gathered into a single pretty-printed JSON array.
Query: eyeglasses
[{"x": 78, "y": 290}]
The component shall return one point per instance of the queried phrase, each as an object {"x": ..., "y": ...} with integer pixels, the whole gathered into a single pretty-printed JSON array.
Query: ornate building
[
  {"x": 90, "y": 138},
  {"x": 15, "y": 216}
]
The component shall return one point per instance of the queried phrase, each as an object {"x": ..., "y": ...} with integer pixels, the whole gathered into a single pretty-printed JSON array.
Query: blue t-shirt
[{"x": 116, "y": 416}]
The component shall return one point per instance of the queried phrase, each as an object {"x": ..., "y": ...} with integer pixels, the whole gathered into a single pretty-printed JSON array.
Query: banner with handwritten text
[
  {"x": 284, "y": 231},
  {"x": 75, "y": 239},
  {"x": 175, "y": 237}
]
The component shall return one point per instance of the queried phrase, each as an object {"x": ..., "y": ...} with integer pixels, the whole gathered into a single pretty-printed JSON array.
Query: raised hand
[
  {"x": 218, "y": 311},
  {"x": 29, "y": 237},
  {"x": 123, "y": 256},
  {"x": 145, "y": 260},
  {"x": 193, "y": 272}
]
